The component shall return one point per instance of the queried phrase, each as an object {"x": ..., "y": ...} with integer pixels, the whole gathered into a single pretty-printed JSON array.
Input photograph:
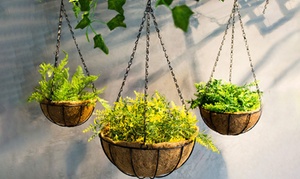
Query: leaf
[
  {"x": 76, "y": 9},
  {"x": 58, "y": 86},
  {"x": 85, "y": 5},
  {"x": 117, "y": 21},
  {"x": 116, "y": 5},
  {"x": 85, "y": 21},
  {"x": 99, "y": 43},
  {"x": 163, "y": 2},
  {"x": 226, "y": 97},
  {"x": 181, "y": 15}
]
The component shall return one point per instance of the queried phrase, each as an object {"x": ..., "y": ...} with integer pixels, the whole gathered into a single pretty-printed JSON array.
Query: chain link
[
  {"x": 76, "y": 44},
  {"x": 58, "y": 33},
  {"x": 63, "y": 12},
  {"x": 132, "y": 56},
  {"x": 235, "y": 10},
  {"x": 265, "y": 7},
  {"x": 146, "y": 13},
  {"x": 148, "y": 10},
  {"x": 168, "y": 61},
  {"x": 221, "y": 47},
  {"x": 248, "y": 52},
  {"x": 232, "y": 39},
  {"x": 147, "y": 49}
]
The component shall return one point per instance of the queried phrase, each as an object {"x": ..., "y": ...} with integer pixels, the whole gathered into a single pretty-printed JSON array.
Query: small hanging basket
[
  {"x": 230, "y": 123},
  {"x": 150, "y": 160},
  {"x": 67, "y": 113}
]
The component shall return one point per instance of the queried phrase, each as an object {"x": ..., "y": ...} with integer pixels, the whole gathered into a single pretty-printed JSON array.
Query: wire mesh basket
[{"x": 67, "y": 113}]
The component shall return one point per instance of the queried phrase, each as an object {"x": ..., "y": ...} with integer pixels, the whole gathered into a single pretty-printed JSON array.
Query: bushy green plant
[
  {"x": 56, "y": 84},
  {"x": 165, "y": 122},
  {"x": 219, "y": 96}
]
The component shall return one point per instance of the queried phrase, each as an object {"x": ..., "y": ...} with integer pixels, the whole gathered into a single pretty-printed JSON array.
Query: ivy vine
[{"x": 84, "y": 11}]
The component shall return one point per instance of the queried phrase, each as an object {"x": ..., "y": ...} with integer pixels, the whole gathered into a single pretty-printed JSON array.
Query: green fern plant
[
  {"x": 220, "y": 96},
  {"x": 165, "y": 122},
  {"x": 57, "y": 85}
]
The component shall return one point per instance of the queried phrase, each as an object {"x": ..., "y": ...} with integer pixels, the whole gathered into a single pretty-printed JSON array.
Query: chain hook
[{"x": 148, "y": 7}]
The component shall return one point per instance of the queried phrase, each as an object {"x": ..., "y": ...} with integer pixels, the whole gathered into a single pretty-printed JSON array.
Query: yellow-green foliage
[
  {"x": 165, "y": 122},
  {"x": 56, "y": 84}
]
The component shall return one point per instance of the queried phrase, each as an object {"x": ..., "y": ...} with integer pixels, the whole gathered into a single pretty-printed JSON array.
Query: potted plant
[
  {"x": 66, "y": 101},
  {"x": 228, "y": 108},
  {"x": 147, "y": 143}
]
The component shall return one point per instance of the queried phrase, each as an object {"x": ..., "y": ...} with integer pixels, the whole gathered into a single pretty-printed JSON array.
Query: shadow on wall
[
  {"x": 268, "y": 57},
  {"x": 202, "y": 164},
  {"x": 24, "y": 35},
  {"x": 287, "y": 13},
  {"x": 76, "y": 153}
]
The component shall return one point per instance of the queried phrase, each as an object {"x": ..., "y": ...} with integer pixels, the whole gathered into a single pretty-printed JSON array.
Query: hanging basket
[
  {"x": 230, "y": 123},
  {"x": 67, "y": 113},
  {"x": 150, "y": 160}
]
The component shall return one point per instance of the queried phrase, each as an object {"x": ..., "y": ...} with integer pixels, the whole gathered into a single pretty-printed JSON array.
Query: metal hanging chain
[
  {"x": 132, "y": 57},
  {"x": 265, "y": 7},
  {"x": 147, "y": 15},
  {"x": 58, "y": 33},
  {"x": 63, "y": 12},
  {"x": 148, "y": 10},
  {"x": 248, "y": 52},
  {"x": 235, "y": 10},
  {"x": 221, "y": 46},
  {"x": 232, "y": 41},
  {"x": 168, "y": 61}
]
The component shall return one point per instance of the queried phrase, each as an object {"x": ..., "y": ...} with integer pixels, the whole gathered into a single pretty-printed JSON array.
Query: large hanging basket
[
  {"x": 67, "y": 113},
  {"x": 139, "y": 159},
  {"x": 230, "y": 123},
  {"x": 150, "y": 160}
]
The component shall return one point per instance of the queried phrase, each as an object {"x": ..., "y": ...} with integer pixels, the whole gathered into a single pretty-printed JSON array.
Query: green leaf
[
  {"x": 181, "y": 15},
  {"x": 85, "y": 21},
  {"x": 117, "y": 21},
  {"x": 99, "y": 43},
  {"x": 58, "y": 86},
  {"x": 85, "y": 5},
  {"x": 163, "y": 2},
  {"x": 219, "y": 96},
  {"x": 76, "y": 9},
  {"x": 116, "y": 5}
]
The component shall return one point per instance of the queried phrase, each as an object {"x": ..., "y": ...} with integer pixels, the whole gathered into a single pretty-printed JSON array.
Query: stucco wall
[{"x": 33, "y": 148}]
